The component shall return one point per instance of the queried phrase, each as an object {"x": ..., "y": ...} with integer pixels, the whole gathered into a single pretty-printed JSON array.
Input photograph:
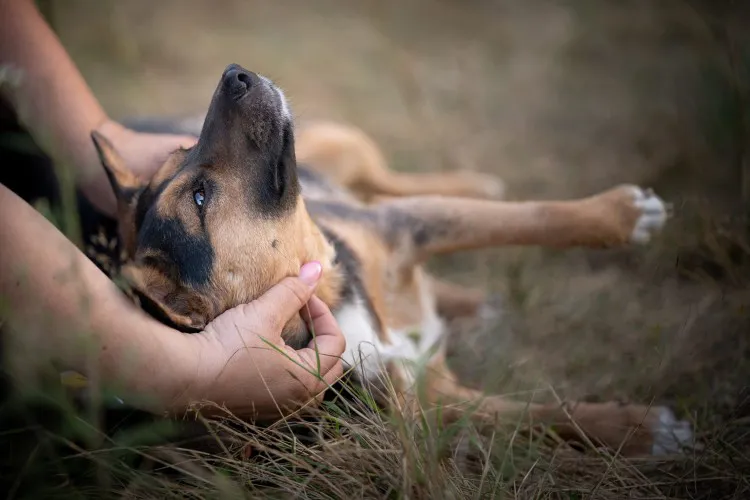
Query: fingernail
[{"x": 310, "y": 273}]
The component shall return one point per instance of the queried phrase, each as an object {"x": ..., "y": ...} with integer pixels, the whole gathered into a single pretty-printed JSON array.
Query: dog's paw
[
  {"x": 670, "y": 436},
  {"x": 653, "y": 215},
  {"x": 630, "y": 214}
]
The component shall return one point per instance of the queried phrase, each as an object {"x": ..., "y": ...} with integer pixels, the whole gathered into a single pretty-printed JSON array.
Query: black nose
[{"x": 237, "y": 80}]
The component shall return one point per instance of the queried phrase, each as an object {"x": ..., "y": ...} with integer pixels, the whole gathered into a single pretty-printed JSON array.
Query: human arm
[
  {"x": 54, "y": 103},
  {"x": 58, "y": 307}
]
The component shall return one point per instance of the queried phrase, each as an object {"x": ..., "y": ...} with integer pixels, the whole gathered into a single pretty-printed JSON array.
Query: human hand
[
  {"x": 143, "y": 153},
  {"x": 246, "y": 366}
]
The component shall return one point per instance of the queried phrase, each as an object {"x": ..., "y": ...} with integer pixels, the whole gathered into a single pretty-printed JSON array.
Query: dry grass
[
  {"x": 352, "y": 450},
  {"x": 559, "y": 98}
]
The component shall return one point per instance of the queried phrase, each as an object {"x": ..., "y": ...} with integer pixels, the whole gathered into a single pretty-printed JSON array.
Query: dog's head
[{"x": 222, "y": 222}]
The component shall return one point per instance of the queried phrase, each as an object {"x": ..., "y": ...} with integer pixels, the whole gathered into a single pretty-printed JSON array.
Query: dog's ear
[
  {"x": 187, "y": 310},
  {"x": 124, "y": 183}
]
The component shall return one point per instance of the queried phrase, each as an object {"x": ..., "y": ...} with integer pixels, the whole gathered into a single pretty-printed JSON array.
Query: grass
[
  {"x": 352, "y": 450},
  {"x": 561, "y": 99}
]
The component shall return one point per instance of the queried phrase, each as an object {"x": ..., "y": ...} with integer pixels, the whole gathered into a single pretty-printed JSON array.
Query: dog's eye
[{"x": 199, "y": 196}]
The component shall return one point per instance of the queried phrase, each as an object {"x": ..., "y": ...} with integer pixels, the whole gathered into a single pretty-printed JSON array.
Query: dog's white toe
[
  {"x": 653, "y": 215},
  {"x": 671, "y": 436}
]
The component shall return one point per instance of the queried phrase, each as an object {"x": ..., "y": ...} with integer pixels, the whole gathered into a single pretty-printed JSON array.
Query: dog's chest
[
  {"x": 368, "y": 352},
  {"x": 371, "y": 343}
]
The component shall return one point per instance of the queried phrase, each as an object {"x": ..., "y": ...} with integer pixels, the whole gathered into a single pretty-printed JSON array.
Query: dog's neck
[
  {"x": 331, "y": 286},
  {"x": 342, "y": 280}
]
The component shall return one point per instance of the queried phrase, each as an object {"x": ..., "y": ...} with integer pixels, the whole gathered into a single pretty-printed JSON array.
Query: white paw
[
  {"x": 671, "y": 436},
  {"x": 654, "y": 214}
]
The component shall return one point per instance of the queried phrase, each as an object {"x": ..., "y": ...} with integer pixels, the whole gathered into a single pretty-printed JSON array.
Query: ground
[{"x": 561, "y": 99}]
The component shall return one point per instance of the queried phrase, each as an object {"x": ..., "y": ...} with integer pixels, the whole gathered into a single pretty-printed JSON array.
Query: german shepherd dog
[{"x": 222, "y": 222}]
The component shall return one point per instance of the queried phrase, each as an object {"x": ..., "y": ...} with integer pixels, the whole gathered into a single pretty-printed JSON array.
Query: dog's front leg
[{"x": 430, "y": 225}]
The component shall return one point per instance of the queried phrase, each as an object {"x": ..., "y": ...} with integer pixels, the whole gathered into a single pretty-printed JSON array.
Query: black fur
[
  {"x": 146, "y": 200},
  {"x": 396, "y": 225},
  {"x": 353, "y": 286},
  {"x": 403, "y": 224},
  {"x": 190, "y": 258},
  {"x": 244, "y": 130},
  {"x": 342, "y": 211}
]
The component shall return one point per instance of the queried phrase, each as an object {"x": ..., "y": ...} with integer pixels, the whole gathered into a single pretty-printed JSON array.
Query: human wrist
[
  {"x": 165, "y": 380},
  {"x": 193, "y": 365},
  {"x": 182, "y": 380}
]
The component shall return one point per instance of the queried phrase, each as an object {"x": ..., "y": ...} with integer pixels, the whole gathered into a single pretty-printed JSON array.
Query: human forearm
[
  {"x": 53, "y": 100},
  {"x": 61, "y": 308}
]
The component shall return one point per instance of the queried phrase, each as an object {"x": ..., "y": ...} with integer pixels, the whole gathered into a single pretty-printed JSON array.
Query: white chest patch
[{"x": 367, "y": 353}]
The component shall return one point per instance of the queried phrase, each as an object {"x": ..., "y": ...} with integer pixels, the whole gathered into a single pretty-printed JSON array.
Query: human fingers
[
  {"x": 163, "y": 145},
  {"x": 328, "y": 343},
  {"x": 305, "y": 380},
  {"x": 172, "y": 142},
  {"x": 285, "y": 299}
]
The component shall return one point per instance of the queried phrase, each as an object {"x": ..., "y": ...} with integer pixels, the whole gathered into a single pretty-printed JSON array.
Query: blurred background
[{"x": 561, "y": 99}]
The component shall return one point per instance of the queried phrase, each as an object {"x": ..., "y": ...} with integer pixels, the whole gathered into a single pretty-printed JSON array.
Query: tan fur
[
  {"x": 245, "y": 247},
  {"x": 173, "y": 204},
  {"x": 349, "y": 156},
  {"x": 169, "y": 168},
  {"x": 604, "y": 220},
  {"x": 454, "y": 224},
  {"x": 374, "y": 256},
  {"x": 617, "y": 426},
  {"x": 252, "y": 253},
  {"x": 453, "y": 300}
]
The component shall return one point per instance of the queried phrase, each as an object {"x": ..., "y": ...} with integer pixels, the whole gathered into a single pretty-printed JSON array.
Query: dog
[{"x": 222, "y": 222}]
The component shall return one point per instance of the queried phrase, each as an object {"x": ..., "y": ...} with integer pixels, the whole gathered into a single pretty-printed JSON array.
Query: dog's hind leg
[
  {"x": 456, "y": 301},
  {"x": 351, "y": 158},
  {"x": 383, "y": 184},
  {"x": 634, "y": 430},
  {"x": 426, "y": 226}
]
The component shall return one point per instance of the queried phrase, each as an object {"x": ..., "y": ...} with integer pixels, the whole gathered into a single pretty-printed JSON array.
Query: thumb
[{"x": 280, "y": 303}]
